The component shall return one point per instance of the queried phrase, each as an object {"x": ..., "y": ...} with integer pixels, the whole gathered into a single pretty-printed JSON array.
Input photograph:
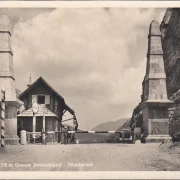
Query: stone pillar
[
  {"x": 23, "y": 137},
  {"x": 154, "y": 104},
  {"x": 7, "y": 80}
]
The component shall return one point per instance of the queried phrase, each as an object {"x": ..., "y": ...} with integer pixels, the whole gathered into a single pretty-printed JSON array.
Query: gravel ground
[{"x": 91, "y": 157}]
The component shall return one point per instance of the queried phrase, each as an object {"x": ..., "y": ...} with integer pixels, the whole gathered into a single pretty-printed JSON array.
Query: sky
[{"x": 94, "y": 57}]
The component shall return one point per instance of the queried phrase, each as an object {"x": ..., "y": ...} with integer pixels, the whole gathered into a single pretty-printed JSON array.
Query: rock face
[{"x": 170, "y": 29}]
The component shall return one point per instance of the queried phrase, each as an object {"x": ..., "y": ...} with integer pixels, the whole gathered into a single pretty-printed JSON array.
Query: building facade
[{"x": 50, "y": 108}]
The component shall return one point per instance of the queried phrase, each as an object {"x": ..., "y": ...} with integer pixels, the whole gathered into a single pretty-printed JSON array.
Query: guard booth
[
  {"x": 42, "y": 109},
  {"x": 35, "y": 122}
]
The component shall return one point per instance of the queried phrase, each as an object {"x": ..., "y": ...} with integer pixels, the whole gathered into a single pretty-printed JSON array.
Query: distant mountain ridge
[
  {"x": 102, "y": 138},
  {"x": 111, "y": 125}
]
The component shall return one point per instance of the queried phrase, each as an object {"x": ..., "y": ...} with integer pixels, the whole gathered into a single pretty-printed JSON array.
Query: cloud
[{"x": 95, "y": 58}]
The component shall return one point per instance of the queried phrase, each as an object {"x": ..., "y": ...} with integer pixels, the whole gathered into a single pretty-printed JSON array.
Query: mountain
[
  {"x": 102, "y": 138},
  {"x": 85, "y": 138},
  {"x": 111, "y": 125},
  {"x": 105, "y": 138},
  {"x": 114, "y": 138}
]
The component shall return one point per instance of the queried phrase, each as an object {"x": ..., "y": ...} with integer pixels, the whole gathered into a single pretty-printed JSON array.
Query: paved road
[{"x": 88, "y": 157}]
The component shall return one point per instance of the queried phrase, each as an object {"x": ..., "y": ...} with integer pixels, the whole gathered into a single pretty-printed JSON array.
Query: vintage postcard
[{"x": 89, "y": 92}]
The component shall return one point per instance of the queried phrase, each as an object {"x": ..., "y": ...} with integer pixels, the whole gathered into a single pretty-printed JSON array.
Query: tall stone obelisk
[
  {"x": 7, "y": 81},
  {"x": 154, "y": 104}
]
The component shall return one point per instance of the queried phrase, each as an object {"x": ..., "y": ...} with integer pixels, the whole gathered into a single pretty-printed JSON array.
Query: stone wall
[
  {"x": 170, "y": 29},
  {"x": 175, "y": 128}
]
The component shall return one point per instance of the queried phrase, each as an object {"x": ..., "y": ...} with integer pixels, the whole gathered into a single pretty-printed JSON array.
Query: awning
[{"x": 42, "y": 110}]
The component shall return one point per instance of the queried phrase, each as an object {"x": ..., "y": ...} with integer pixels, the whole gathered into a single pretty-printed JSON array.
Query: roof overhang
[{"x": 42, "y": 111}]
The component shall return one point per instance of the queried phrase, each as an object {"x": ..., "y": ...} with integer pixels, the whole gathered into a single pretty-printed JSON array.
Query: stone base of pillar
[
  {"x": 155, "y": 138},
  {"x": 11, "y": 140},
  {"x": 11, "y": 137}
]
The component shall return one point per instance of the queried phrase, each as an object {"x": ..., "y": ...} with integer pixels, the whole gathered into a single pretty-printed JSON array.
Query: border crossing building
[{"x": 51, "y": 107}]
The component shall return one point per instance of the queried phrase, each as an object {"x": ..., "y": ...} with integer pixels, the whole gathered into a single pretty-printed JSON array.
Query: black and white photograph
[{"x": 89, "y": 89}]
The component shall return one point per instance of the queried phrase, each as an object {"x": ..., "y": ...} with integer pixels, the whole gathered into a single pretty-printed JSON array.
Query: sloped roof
[
  {"x": 36, "y": 82},
  {"x": 42, "y": 110}
]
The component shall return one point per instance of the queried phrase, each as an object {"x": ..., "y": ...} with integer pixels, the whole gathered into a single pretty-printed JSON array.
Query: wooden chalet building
[{"x": 51, "y": 107}]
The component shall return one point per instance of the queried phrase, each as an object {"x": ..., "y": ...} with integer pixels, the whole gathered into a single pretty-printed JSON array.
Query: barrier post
[
  {"x": 75, "y": 138},
  {"x": 23, "y": 137},
  {"x": 2, "y": 116},
  {"x": 133, "y": 137}
]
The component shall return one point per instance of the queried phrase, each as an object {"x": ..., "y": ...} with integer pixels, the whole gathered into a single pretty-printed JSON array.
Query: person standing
[
  {"x": 75, "y": 129},
  {"x": 68, "y": 135},
  {"x": 75, "y": 123},
  {"x": 65, "y": 135}
]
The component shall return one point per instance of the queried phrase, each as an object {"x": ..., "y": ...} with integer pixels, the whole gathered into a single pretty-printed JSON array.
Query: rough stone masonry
[{"x": 170, "y": 30}]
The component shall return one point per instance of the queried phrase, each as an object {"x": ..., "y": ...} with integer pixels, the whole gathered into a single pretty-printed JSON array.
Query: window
[{"x": 41, "y": 99}]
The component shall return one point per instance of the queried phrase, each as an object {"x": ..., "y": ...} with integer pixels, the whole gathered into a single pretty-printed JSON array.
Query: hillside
[
  {"x": 114, "y": 138},
  {"x": 85, "y": 138},
  {"x": 102, "y": 138},
  {"x": 111, "y": 125}
]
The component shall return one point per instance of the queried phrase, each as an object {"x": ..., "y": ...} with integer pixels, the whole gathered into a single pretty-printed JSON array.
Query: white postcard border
[{"x": 89, "y": 174}]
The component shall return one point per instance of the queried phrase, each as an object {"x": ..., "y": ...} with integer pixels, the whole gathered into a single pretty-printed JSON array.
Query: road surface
[{"x": 90, "y": 157}]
